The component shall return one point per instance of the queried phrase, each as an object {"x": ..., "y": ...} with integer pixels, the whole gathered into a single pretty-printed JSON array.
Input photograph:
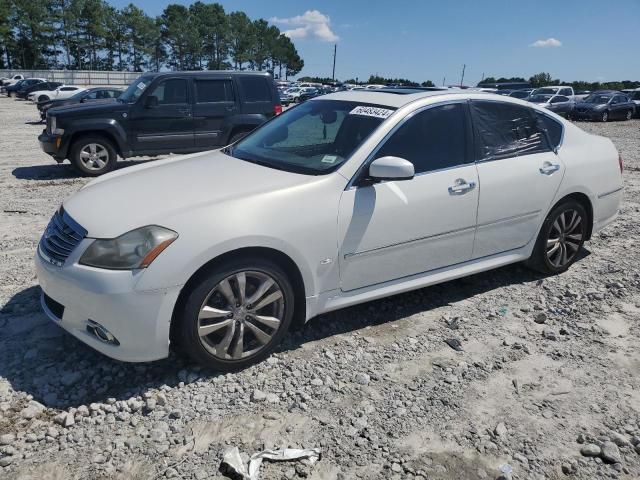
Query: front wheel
[
  {"x": 560, "y": 239},
  {"x": 43, "y": 98},
  {"x": 236, "y": 315},
  {"x": 93, "y": 155},
  {"x": 605, "y": 116},
  {"x": 629, "y": 115}
]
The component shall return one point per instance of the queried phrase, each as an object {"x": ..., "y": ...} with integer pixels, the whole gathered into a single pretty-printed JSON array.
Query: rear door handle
[
  {"x": 549, "y": 168},
  {"x": 461, "y": 186},
  {"x": 230, "y": 108}
]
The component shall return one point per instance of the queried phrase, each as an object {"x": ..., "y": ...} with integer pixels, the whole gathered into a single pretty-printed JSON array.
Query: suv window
[
  {"x": 256, "y": 89},
  {"x": 170, "y": 92},
  {"x": 553, "y": 128},
  {"x": 208, "y": 91},
  {"x": 559, "y": 99},
  {"x": 432, "y": 139},
  {"x": 565, "y": 91},
  {"x": 619, "y": 99},
  {"x": 506, "y": 130}
]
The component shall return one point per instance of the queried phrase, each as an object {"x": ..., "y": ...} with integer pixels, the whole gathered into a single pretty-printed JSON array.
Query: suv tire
[
  {"x": 93, "y": 155},
  {"x": 236, "y": 314},
  {"x": 561, "y": 237}
]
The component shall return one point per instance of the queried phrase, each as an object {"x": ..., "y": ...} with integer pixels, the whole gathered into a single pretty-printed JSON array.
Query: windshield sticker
[
  {"x": 329, "y": 159},
  {"x": 371, "y": 112},
  {"x": 141, "y": 86}
]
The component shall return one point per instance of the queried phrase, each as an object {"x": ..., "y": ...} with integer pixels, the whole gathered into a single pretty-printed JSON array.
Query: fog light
[{"x": 101, "y": 333}]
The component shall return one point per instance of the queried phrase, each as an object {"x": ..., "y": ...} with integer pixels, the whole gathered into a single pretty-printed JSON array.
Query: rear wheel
[
  {"x": 43, "y": 98},
  {"x": 605, "y": 116},
  {"x": 560, "y": 239},
  {"x": 629, "y": 114},
  {"x": 236, "y": 315},
  {"x": 93, "y": 155}
]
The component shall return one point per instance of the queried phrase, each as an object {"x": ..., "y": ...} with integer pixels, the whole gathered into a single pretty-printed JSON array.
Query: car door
[
  {"x": 620, "y": 106},
  {"x": 215, "y": 101},
  {"x": 519, "y": 175},
  {"x": 395, "y": 229},
  {"x": 561, "y": 105},
  {"x": 161, "y": 120}
]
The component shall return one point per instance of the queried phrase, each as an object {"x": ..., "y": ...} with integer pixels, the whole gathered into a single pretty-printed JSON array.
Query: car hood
[
  {"x": 89, "y": 108},
  {"x": 158, "y": 192}
]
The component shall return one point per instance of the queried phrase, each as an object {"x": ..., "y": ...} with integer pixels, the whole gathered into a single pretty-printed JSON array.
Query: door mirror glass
[
  {"x": 151, "y": 101},
  {"x": 391, "y": 168}
]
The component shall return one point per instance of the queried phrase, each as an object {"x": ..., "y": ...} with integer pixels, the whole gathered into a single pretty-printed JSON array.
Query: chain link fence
[{"x": 77, "y": 77}]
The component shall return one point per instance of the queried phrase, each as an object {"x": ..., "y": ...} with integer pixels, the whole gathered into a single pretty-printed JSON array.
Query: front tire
[
  {"x": 605, "y": 116},
  {"x": 93, "y": 155},
  {"x": 236, "y": 314},
  {"x": 560, "y": 239},
  {"x": 629, "y": 115},
  {"x": 43, "y": 98}
]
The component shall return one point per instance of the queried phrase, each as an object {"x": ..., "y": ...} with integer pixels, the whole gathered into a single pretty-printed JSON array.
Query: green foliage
[
  {"x": 545, "y": 79},
  {"x": 91, "y": 34}
]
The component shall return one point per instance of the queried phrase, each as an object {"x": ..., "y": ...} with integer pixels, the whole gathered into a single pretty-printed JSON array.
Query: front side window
[
  {"x": 211, "y": 91},
  {"x": 506, "y": 130},
  {"x": 171, "y": 92},
  {"x": 133, "y": 91},
  {"x": 432, "y": 139},
  {"x": 313, "y": 138}
]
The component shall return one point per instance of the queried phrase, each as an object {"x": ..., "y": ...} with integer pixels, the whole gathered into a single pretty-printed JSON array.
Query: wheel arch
[
  {"x": 280, "y": 258},
  {"x": 585, "y": 201}
]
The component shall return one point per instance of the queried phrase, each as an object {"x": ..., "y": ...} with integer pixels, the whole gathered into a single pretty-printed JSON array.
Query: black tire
[
  {"x": 42, "y": 98},
  {"x": 605, "y": 116},
  {"x": 238, "y": 136},
  {"x": 186, "y": 330},
  {"x": 629, "y": 115},
  {"x": 543, "y": 259},
  {"x": 103, "y": 164}
]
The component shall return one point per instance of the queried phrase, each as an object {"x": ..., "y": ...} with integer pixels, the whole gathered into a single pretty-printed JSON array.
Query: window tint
[
  {"x": 171, "y": 91},
  {"x": 559, "y": 99},
  {"x": 256, "y": 89},
  {"x": 208, "y": 91},
  {"x": 93, "y": 95},
  {"x": 565, "y": 91},
  {"x": 635, "y": 96},
  {"x": 553, "y": 128},
  {"x": 432, "y": 139},
  {"x": 620, "y": 99},
  {"x": 506, "y": 130}
]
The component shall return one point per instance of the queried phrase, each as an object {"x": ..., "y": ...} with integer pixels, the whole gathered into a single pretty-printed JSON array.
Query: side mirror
[
  {"x": 391, "y": 168},
  {"x": 84, "y": 100},
  {"x": 151, "y": 101}
]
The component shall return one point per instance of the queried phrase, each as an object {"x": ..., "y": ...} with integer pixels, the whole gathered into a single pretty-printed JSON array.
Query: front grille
[
  {"x": 57, "y": 309},
  {"x": 62, "y": 236}
]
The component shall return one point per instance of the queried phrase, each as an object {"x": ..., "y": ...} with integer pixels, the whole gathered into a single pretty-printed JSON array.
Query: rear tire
[
  {"x": 560, "y": 239},
  {"x": 605, "y": 116},
  {"x": 93, "y": 155},
  {"x": 236, "y": 314},
  {"x": 629, "y": 115}
]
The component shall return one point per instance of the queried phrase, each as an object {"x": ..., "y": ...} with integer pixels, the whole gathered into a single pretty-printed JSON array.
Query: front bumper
[
  {"x": 53, "y": 145},
  {"x": 139, "y": 320}
]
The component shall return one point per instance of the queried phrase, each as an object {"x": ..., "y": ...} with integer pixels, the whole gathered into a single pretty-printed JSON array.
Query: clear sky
[{"x": 430, "y": 40}]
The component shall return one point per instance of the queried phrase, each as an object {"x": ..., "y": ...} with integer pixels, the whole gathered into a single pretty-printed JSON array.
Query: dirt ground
[{"x": 549, "y": 367}]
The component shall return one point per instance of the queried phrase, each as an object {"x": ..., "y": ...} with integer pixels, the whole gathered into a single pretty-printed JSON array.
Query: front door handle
[
  {"x": 461, "y": 186},
  {"x": 549, "y": 168}
]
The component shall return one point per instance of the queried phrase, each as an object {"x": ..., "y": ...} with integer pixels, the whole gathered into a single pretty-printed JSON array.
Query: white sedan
[
  {"x": 346, "y": 198},
  {"x": 65, "y": 91}
]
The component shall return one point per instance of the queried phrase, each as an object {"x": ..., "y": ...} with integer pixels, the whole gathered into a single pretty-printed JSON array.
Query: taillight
[
  {"x": 621, "y": 163},
  {"x": 278, "y": 109}
]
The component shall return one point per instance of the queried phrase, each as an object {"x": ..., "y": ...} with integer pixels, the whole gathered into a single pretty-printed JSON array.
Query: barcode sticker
[{"x": 371, "y": 112}]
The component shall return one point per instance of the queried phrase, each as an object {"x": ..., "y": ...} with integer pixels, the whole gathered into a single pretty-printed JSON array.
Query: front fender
[{"x": 106, "y": 126}]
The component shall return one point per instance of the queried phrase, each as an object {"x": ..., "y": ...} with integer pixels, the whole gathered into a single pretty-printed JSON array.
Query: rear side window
[
  {"x": 211, "y": 91},
  {"x": 506, "y": 130},
  {"x": 256, "y": 89},
  {"x": 553, "y": 128},
  {"x": 432, "y": 139}
]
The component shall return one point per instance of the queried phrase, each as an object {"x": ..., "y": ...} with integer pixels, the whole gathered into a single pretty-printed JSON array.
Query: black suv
[{"x": 160, "y": 113}]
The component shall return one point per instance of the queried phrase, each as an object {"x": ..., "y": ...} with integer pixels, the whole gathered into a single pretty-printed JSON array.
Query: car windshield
[
  {"x": 133, "y": 91},
  {"x": 547, "y": 91},
  {"x": 598, "y": 99},
  {"x": 313, "y": 138},
  {"x": 540, "y": 98}
]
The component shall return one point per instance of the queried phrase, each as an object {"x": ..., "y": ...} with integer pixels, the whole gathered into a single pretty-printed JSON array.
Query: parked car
[
  {"x": 297, "y": 92},
  {"x": 12, "y": 90},
  {"x": 521, "y": 94},
  {"x": 10, "y": 81},
  {"x": 343, "y": 199},
  {"x": 308, "y": 94},
  {"x": 559, "y": 104},
  {"x": 285, "y": 97},
  {"x": 64, "y": 91},
  {"x": 160, "y": 113},
  {"x": 25, "y": 91},
  {"x": 604, "y": 105},
  {"x": 563, "y": 90},
  {"x": 83, "y": 96},
  {"x": 634, "y": 96}
]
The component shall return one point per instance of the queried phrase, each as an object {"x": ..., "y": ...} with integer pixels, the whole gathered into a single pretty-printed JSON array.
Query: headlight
[
  {"x": 54, "y": 129},
  {"x": 132, "y": 250}
]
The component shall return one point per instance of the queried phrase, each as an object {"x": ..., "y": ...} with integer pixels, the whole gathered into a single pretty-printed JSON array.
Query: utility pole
[
  {"x": 462, "y": 78},
  {"x": 443, "y": 80},
  {"x": 333, "y": 75}
]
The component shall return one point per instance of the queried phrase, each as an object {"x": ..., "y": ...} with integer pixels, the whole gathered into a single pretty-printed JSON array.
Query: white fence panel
[{"x": 78, "y": 77}]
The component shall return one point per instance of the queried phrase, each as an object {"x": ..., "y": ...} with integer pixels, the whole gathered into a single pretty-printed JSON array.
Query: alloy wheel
[
  {"x": 240, "y": 315},
  {"x": 565, "y": 238},
  {"x": 94, "y": 156},
  {"x": 629, "y": 115},
  {"x": 605, "y": 116}
]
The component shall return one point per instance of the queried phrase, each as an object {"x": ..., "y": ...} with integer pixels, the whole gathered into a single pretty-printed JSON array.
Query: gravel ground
[{"x": 547, "y": 384}]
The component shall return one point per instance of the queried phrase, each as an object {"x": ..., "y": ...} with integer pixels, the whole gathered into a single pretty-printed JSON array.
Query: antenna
[
  {"x": 333, "y": 75},
  {"x": 462, "y": 78}
]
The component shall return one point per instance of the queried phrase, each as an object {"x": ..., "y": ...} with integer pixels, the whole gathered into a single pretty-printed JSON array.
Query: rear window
[
  {"x": 553, "y": 128},
  {"x": 210, "y": 91},
  {"x": 256, "y": 89}
]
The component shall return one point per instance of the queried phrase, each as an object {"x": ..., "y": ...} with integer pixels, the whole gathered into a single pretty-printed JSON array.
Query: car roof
[
  {"x": 397, "y": 97},
  {"x": 207, "y": 72}
]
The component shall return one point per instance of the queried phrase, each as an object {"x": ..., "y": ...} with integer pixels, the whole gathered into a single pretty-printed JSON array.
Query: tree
[
  {"x": 540, "y": 80},
  {"x": 428, "y": 83},
  {"x": 7, "y": 41},
  {"x": 140, "y": 32},
  {"x": 241, "y": 35},
  {"x": 213, "y": 28}
]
